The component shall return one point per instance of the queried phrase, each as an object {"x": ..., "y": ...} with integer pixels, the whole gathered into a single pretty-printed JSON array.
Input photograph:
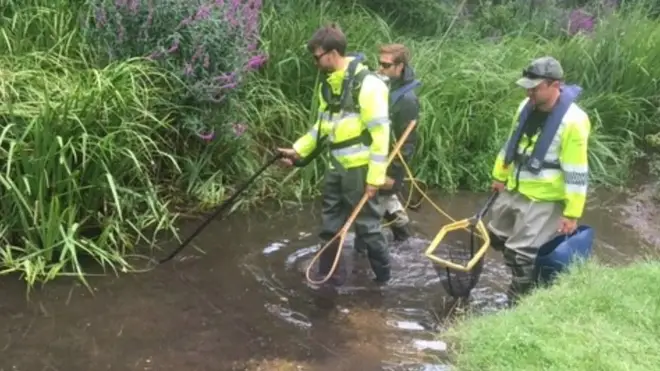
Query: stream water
[{"x": 237, "y": 300}]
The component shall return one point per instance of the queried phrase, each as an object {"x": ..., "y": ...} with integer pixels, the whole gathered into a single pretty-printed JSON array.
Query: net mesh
[{"x": 459, "y": 247}]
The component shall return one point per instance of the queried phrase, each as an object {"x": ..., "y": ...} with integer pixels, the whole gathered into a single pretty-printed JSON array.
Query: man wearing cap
[{"x": 541, "y": 172}]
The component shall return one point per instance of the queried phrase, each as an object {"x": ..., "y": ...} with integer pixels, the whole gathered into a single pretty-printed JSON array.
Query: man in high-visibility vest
[
  {"x": 541, "y": 172},
  {"x": 394, "y": 62},
  {"x": 354, "y": 119}
]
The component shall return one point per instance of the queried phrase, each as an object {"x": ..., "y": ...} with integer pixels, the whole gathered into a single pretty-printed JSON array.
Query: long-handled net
[{"x": 459, "y": 263}]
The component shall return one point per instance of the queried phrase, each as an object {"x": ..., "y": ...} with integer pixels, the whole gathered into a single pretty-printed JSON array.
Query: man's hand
[
  {"x": 371, "y": 190},
  {"x": 497, "y": 186},
  {"x": 289, "y": 154},
  {"x": 567, "y": 225},
  {"x": 389, "y": 184}
]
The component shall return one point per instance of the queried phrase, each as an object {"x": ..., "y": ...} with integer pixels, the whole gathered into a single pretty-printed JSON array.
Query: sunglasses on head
[{"x": 531, "y": 75}]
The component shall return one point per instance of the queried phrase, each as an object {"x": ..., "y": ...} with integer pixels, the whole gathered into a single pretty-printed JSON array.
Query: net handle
[{"x": 491, "y": 200}]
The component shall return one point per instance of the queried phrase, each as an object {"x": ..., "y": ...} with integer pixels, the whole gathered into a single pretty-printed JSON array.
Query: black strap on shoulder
[
  {"x": 345, "y": 100},
  {"x": 352, "y": 96}
]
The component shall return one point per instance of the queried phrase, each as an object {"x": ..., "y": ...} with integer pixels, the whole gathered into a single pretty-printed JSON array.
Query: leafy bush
[{"x": 210, "y": 45}]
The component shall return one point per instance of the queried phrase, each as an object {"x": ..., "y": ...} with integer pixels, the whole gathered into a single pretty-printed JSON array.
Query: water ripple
[{"x": 406, "y": 308}]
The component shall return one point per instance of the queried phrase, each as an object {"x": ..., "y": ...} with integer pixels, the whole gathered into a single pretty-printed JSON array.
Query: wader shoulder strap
[
  {"x": 344, "y": 101},
  {"x": 354, "y": 95},
  {"x": 535, "y": 162},
  {"x": 401, "y": 91}
]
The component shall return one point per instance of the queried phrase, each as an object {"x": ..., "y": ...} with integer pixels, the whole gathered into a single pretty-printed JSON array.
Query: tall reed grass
[
  {"x": 77, "y": 144},
  {"x": 468, "y": 94}
]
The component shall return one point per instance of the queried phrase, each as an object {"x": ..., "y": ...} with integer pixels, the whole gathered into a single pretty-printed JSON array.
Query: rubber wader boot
[
  {"x": 383, "y": 274},
  {"x": 496, "y": 242},
  {"x": 401, "y": 233},
  {"x": 326, "y": 260}
]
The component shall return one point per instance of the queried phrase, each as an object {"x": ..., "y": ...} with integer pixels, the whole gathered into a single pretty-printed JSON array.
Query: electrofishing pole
[{"x": 221, "y": 208}]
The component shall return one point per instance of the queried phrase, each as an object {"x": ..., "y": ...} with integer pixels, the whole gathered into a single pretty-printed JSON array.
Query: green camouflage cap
[{"x": 541, "y": 69}]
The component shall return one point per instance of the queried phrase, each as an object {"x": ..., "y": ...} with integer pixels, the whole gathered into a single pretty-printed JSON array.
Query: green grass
[{"x": 594, "y": 318}]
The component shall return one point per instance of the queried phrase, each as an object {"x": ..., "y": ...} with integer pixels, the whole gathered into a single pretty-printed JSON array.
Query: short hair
[
  {"x": 329, "y": 37},
  {"x": 399, "y": 51}
]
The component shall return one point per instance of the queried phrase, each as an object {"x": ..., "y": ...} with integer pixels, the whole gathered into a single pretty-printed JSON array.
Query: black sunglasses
[
  {"x": 385, "y": 64},
  {"x": 319, "y": 56}
]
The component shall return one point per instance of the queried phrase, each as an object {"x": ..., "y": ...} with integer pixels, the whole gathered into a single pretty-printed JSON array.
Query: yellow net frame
[
  {"x": 461, "y": 224},
  {"x": 469, "y": 224}
]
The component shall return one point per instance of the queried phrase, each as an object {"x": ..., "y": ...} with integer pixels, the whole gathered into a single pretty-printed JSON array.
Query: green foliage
[
  {"x": 468, "y": 97},
  {"x": 77, "y": 144}
]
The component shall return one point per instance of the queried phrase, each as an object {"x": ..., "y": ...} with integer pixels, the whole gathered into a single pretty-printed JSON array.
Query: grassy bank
[
  {"x": 113, "y": 113},
  {"x": 594, "y": 318}
]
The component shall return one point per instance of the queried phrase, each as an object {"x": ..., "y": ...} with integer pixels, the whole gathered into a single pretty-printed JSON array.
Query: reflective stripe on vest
[
  {"x": 542, "y": 160},
  {"x": 356, "y": 145}
]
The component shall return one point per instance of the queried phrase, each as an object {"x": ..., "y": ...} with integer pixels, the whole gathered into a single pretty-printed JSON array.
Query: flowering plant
[{"x": 209, "y": 44}]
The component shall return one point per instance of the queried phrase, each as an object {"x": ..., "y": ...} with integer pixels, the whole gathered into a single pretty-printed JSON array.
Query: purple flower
[
  {"x": 185, "y": 38},
  {"x": 101, "y": 17},
  {"x": 256, "y": 62},
  {"x": 579, "y": 21},
  {"x": 226, "y": 77},
  {"x": 203, "y": 13},
  {"x": 207, "y": 137},
  {"x": 188, "y": 69},
  {"x": 174, "y": 47},
  {"x": 133, "y": 6}
]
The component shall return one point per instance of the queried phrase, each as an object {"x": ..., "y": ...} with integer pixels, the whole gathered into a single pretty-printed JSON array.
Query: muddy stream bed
[{"x": 243, "y": 303}]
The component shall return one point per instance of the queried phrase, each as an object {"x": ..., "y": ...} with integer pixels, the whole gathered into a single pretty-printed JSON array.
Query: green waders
[{"x": 342, "y": 191}]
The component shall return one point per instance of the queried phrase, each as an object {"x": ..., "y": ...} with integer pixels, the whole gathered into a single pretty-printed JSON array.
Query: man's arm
[
  {"x": 574, "y": 161},
  {"x": 374, "y": 113},
  {"x": 306, "y": 144}
]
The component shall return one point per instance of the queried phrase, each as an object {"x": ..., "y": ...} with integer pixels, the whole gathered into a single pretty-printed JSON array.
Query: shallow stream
[{"x": 237, "y": 300}]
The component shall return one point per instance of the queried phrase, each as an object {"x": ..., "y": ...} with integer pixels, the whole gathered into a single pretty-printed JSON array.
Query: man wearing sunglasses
[
  {"x": 354, "y": 119},
  {"x": 394, "y": 63},
  {"x": 541, "y": 172}
]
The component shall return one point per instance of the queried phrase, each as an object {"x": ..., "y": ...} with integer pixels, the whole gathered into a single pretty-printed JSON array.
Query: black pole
[{"x": 220, "y": 209}]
